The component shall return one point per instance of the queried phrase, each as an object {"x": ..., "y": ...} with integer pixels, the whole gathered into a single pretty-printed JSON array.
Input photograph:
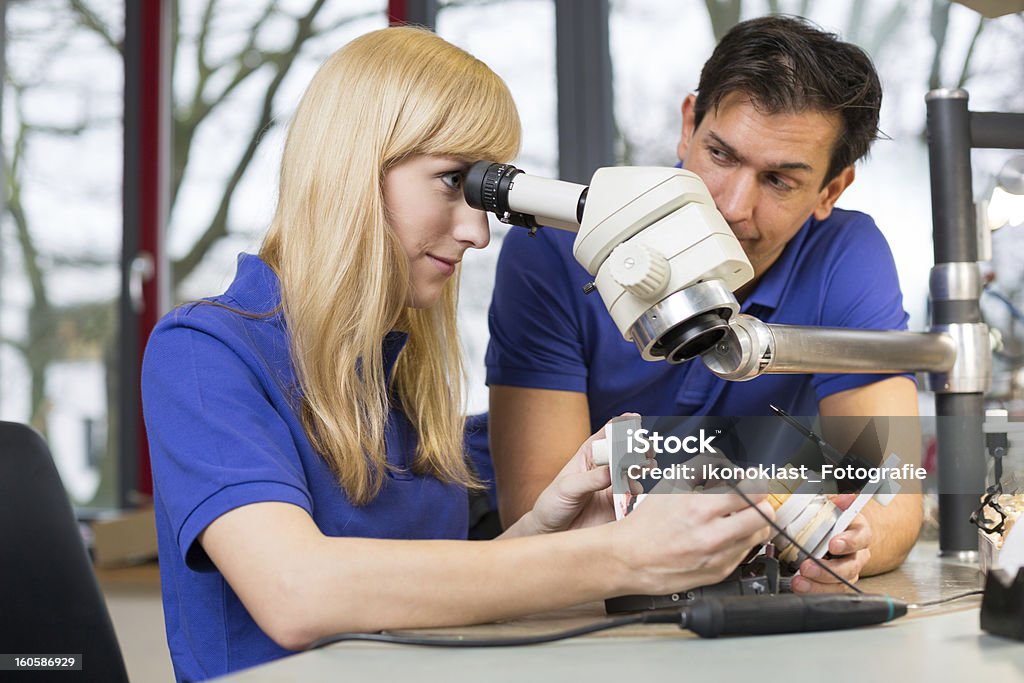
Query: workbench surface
[{"x": 939, "y": 643}]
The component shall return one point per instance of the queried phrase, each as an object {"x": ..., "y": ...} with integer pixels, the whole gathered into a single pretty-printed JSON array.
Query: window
[{"x": 60, "y": 237}]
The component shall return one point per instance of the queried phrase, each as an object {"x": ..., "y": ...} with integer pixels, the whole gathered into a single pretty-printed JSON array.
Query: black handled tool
[
  {"x": 752, "y": 615},
  {"x": 831, "y": 454},
  {"x": 736, "y": 615}
]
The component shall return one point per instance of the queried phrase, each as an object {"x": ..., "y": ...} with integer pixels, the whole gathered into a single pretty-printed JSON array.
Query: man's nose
[
  {"x": 737, "y": 196},
  {"x": 471, "y": 227}
]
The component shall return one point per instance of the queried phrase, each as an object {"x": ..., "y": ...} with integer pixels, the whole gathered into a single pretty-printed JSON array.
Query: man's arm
[
  {"x": 533, "y": 433},
  {"x": 894, "y": 528}
]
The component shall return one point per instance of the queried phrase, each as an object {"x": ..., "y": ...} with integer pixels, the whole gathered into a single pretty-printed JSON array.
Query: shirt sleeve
[
  {"x": 862, "y": 291},
  {"x": 534, "y": 318},
  {"x": 217, "y": 442}
]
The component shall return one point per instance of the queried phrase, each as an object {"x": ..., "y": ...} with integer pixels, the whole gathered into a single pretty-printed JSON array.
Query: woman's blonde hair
[{"x": 382, "y": 98}]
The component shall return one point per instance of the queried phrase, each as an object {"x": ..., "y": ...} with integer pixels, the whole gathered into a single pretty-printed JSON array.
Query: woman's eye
[{"x": 453, "y": 179}]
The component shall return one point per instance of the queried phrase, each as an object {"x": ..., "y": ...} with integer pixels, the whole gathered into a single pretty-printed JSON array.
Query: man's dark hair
[{"x": 788, "y": 65}]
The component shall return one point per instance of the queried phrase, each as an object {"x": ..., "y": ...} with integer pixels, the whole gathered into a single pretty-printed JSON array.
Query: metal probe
[{"x": 830, "y": 453}]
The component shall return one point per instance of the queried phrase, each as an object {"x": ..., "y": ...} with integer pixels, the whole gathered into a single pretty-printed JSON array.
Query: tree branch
[
  {"x": 204, "y": 31},
  {"x": 376, "y": 13},
  {"x": 42, "y": 337},
  {"x": 18, "y": 346},
  {"x": 29, "y": 254},
  {"x": 855, "y": 21},
  {"x": 185, "y": 127},
  {"x": 885, "y": 29},
  {"x": 91, "y": 21},
  {"x": 217, "y": 229},
  {"x": 175, "y": 37},
  {"x": 965, "y": 72},
  {"x": 939, "y": 24},
  {"x": 469, "y": 3},
  {"x": 245, "y": 64},
  {"x": 62, "y": 131},
  {"x": 83, "y": 261},
  {"x": 724, "y": 14}
]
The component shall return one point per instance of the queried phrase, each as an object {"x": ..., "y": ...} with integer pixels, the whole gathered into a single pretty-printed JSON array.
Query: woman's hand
[
  {"x": 580, "y": 495},
  {"x": 677, "y": 541}
]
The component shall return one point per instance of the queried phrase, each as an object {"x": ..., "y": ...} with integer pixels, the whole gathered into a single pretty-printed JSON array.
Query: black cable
[
  {"x": 792, "y": 540},
  {"x": 939, "y": 601},
  {"x": 671, "y": 616},
  {"x": 658, "y": 617}
]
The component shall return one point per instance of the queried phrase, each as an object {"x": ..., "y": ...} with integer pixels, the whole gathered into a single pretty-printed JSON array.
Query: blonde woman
[{"x": 305, "y": 426}]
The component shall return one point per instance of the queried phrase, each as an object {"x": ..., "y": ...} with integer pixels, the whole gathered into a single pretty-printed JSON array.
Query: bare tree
[
  {"x": 38, "y": 347},
  {"x": 50, "y": 327},
  {"x": 191, "y": 111},
  {"x": 58, "y": 332}
]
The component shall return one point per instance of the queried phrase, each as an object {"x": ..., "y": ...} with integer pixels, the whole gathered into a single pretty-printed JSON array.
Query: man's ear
[
  {"x": 830, "y": 193},
  {"x": 686, "y": 135}
]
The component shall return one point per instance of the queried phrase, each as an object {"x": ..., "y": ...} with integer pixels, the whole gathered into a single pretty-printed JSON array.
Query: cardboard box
[{"x": 125, "y": 537}]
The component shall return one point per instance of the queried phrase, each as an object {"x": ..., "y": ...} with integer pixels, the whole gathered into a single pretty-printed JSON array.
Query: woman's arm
[{"x": 300, "y": 585}]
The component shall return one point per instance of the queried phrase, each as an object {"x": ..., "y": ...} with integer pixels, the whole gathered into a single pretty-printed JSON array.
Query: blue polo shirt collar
[
  {"x": 256, "y": 289},
  {"x": 768, "y": 292},
  {"x": 394, "y": 342}
]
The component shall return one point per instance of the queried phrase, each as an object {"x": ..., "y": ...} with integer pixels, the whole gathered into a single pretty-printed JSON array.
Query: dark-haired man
[{"x": 782, "y": 113}]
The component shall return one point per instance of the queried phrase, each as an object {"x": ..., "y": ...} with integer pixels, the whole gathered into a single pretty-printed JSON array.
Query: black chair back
[{"x": 50, "y": 602}]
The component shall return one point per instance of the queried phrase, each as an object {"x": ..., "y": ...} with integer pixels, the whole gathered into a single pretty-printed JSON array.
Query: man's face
[{"x": 764, "y": 171}]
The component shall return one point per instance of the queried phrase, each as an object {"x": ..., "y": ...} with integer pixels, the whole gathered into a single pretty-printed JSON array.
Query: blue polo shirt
[
  {"x": 547, "y": 334},
  {"x": 219, "y": 397}
]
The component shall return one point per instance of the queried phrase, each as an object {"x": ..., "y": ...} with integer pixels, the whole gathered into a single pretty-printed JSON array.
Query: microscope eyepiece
[
  {"x": 487, "y": 186},
  {"x": 526, "y": 200}
]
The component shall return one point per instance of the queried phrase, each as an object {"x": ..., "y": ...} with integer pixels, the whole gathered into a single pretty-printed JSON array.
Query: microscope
[{"x": 666, "y": 265}]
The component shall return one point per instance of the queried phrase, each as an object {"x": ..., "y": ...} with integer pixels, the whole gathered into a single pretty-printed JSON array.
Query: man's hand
[
  {"x": 849, "y": 552},
  {"x": 897, "y": 524}
]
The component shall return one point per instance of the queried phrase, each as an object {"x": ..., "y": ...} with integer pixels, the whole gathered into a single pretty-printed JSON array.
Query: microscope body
[{"x": 665, "y": 261}]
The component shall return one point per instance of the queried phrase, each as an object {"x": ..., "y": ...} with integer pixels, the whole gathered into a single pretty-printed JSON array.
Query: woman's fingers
[{"x": 578, "y": 484}]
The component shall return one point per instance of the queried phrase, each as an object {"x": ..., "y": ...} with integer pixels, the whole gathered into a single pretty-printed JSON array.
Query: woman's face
[{"x": 433, "y": 222}]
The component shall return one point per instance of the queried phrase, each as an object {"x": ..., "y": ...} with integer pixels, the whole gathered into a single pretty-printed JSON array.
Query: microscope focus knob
[{"x": 641, "y": 270}]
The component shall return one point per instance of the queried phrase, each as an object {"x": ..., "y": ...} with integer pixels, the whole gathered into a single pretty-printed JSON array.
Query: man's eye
[
  {"x": 453, "y": 179},
  {"x": 718, "y": 154},
  {"x": 778, "y": 183}
]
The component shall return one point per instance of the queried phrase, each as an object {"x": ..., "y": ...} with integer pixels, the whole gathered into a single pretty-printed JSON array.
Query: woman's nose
[{"x": 471, "y": 227}]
